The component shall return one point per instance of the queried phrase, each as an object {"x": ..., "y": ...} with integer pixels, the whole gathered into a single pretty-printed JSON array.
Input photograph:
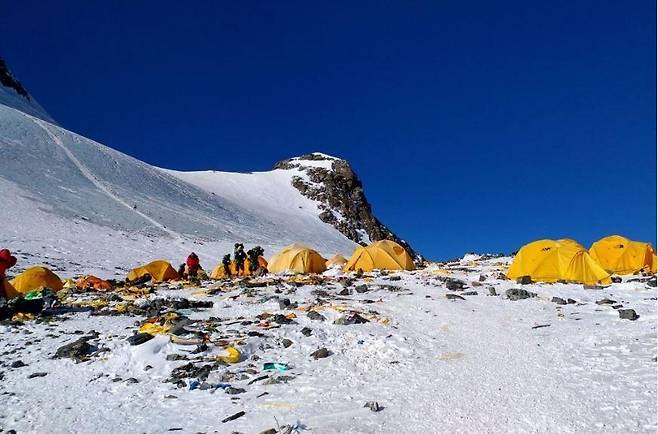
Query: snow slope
[{"x": 67, "y": 189}]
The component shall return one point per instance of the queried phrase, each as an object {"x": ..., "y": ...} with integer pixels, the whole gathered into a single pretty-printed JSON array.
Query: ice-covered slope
[{"x": 65, "y": 190}]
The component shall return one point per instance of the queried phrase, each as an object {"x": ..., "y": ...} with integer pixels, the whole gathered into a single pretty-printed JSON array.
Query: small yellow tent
[
  {"x": 159, "y": 270},
  {"x": 297, "y": 258},
  {"x": 218, "y": 271},
  {"x": 35, "y": 278},
  {"x": 620, "y": 255},
  {"x": 380, "y": 255},
  {"x": 336, "y": 260},
  {"x": 552, "y": 261}
]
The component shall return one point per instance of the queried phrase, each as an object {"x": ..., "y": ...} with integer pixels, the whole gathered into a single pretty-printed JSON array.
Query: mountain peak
[
  {"x": 13, "y": 94},
  {"x": 333, "y": 184}
]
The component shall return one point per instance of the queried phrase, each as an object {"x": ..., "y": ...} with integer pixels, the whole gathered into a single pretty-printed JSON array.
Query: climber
[
  {"x": 239, "y": 257},
  {"x": 226, "y": 262},
  {"x": 253, "y": 255}
]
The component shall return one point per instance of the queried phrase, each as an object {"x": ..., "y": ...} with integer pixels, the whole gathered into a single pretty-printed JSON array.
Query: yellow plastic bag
[
  {"x": 233, "y": 356},
  {"x": 154, "y": 329}
]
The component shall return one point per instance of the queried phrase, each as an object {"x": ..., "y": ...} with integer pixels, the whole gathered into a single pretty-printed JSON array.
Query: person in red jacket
[
  {"x": 6, "y": 261},
  {"x": 192, "y": 265}
]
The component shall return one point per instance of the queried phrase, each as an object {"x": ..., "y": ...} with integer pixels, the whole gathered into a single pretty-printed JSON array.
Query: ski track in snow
[{"x": 177, "y": 238}]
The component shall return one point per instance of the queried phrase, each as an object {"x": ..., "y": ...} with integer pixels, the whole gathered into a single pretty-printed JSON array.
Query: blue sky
[{"x": 474, "y": 126}]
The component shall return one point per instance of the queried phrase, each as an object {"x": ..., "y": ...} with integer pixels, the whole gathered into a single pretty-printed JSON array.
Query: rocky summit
[{"x": 335, "y": 186}]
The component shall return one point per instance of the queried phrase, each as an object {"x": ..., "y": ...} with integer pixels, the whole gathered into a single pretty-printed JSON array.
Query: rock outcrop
[{"x": 332, "y": 183}]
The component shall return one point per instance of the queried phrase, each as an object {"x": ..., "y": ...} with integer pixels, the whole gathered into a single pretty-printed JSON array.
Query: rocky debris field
[{"x": 454, "y": 347}]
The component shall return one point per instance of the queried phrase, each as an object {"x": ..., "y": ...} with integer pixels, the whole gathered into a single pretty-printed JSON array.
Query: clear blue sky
[{"x": 474, "y": 126}]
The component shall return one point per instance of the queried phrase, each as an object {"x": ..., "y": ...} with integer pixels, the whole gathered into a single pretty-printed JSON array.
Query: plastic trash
[
  {"x": 32, "y": 295},
  {"x": 233, "y": 356},
  {"x": 281, "y": 367}
]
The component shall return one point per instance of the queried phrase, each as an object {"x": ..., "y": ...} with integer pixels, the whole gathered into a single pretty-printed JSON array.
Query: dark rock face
[
  {"x": 340, "y": 192},
  {"x": 8, "y": 80}
]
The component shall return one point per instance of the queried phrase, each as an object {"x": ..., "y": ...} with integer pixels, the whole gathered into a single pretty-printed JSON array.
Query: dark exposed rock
[
  {"x": 77, "y": 350},
  {"x": 469, "y": 293},
  {"x": 361, "y": 289},
  {"x": 455, "y": 284},
  {"x": 17, "y": 364},
  {"x": 571, "y": 301},
  {"x": 315, "y": 316},
  {"x": 281, "y": 319},
  {"x": 339, "y": 192},
  {"x": 373, "y": 406},
  {"x": 606, "y": 301},
  {"x": 344, "y": 291},
  {"x": 233, "y": 416},
  {"x": 321, "y": 353},
  {"x": 350, "y": 319},
  {"x": 234, "y": 390},
  {"x": 284, "y": 303},
  {"x": 139, "y": 338},
  {"x": 515, "y": 294},
  {"x": 307, "y": 331},
  {"x": 628, "y": 314},
  {"x": 652, "y": 282},
  {"x": 615, "y": 279},
  {"x": 8, "y": 80},
  {"x": 454, "y": 297},
  {"x": 524, "y": 280},
  {"x": 492, "y": 291},
  {"x": 558, "y": 300},
  {"x": 286, "y": 343}
]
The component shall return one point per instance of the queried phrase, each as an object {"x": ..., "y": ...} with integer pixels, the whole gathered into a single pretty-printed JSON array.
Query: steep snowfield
[
  {"x": 479, "y": 364},
  {"x": 69, "y": 194},
  {"x": 27, "y": 104}
]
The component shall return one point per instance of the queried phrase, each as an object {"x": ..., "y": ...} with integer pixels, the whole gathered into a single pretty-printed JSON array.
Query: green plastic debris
[
  {"x": 276, "y": 366},
  {"x": 33, "y": 295}
]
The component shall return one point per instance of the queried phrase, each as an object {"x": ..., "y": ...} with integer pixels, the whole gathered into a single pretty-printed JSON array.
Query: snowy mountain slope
[{"x": 68, "y": 177}]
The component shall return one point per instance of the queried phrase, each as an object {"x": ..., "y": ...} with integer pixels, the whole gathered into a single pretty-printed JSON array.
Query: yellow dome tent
[
  {"x": 620, "y": 255},
  {"x": 381, "y": 255},
  {"x": 297, "y": 258},
  {"x": 35, "y": 278},
  {"x": 336, "y": 260},
  {"x": 552, "y": 261},
  {"x": 159, "y": 270},
  {"x": 571, "y": 243},
  {"x": 218, "y": 271}
]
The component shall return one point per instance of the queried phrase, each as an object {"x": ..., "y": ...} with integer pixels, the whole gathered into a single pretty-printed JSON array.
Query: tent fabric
[
  {"x": 553, "y": 261},
  {"x": 618, "y": 254},
  {"x": 571, "y": 243},
  {"x": 218, "y": 271},
  {"x": 8, "y": 289},
  {"x": 159, "y": 270},
  {"x": 36, "y": 278},
  {"x": 297, "y": 258},
  {"x": 336, "y": 260},
  {"x": 380, "y": 255}
]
